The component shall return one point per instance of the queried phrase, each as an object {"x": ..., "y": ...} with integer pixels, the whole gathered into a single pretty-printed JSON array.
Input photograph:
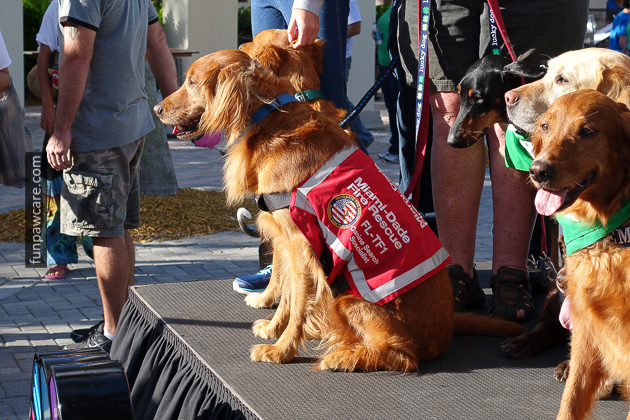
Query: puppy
[
  {"x": 225, "y": 91},
  {"x": 582, "y": 172},
  {"x": 604, "y": 70},
  {"x": 482, "y": 91}
]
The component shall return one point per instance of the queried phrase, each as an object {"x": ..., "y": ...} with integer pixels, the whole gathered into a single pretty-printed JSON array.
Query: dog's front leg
[
  {"x": 585, "y": 379},
  {"x": 271, "y": 294},
  {"x": 301, "y": 298}
]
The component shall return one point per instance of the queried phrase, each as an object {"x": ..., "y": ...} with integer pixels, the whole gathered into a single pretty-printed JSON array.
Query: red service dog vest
[{"x": 378, "y": 239}]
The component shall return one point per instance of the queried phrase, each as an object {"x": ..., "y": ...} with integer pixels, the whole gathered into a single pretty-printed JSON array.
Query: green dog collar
[
  {"x": 518, "y": 149},
  {"x": 577, "y": 235}
]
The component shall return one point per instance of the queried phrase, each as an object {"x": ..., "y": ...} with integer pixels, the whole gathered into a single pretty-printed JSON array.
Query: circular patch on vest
[{"x": 344, "y": 210}]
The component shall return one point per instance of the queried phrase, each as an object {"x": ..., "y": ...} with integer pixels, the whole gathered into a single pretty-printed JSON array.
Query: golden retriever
[
  {"x": 221, "y": 91},
  {"x": 601, "y": 69},
  {"x": 301, "y": 67},
  {"x": 582, "y": 171}
]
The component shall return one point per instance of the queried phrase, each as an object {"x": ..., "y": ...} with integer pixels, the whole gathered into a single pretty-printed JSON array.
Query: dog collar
[
  {"x": 309, "y": 95},
  {"x": 621, "y": 236},
  {"x": 518, "y": 149},
  {"x": 577, "y": 235},
  {"x": 267, "y": 109}
]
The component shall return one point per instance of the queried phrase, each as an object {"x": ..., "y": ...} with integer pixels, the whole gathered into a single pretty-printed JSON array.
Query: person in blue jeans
[
  {"x": 327, "y": 20},
  {"x": 305, "y": 20},
  {"x": 364, "y": 136}
]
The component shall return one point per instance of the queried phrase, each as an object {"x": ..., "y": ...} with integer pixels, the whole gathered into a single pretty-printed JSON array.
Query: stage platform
[{"x": 185, "y": 347}]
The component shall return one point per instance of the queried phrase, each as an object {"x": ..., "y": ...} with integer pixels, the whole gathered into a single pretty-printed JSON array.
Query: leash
[
  {"x": 496, "y": 22},
  {"x": 422, "y": 95},
  {"x": 369, "y": 94}
]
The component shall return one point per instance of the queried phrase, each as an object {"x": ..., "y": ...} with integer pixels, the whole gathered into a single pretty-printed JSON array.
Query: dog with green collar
[{"x": 581, "y": 169}]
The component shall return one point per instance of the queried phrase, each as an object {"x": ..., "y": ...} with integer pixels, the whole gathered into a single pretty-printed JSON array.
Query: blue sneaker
[{"x": 254, "y": 283}]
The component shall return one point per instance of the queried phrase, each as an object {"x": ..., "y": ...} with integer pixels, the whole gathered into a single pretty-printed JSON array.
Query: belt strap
[{"x": 273, "y": 201}]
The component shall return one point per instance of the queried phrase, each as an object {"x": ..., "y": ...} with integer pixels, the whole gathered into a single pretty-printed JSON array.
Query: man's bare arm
[
  {"x": 161, "y": 60},
  {"x": 78, "y": 47}
]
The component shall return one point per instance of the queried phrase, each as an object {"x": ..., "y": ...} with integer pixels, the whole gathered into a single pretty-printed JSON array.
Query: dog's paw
[
  {"x": 561, "y": 372},
  {"x": 270, "y": 354},
  {"x": 263, "y": 328},
  {"x": 520, "y": 347},
  {"x": 259, "y": 300}
]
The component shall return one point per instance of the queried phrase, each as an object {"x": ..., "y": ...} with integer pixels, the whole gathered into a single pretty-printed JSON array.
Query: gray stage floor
[{"x": 474, "y": 379}]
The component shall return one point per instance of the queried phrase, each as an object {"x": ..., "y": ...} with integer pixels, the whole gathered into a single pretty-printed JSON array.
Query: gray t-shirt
[{"x": 114, "y": 110}]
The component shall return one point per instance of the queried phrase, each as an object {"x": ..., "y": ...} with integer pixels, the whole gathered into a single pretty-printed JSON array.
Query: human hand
[
  {"x": 306, "y": 24},
  {"x": 57, "y": 151},
  {"x": 47, "y": 121}
]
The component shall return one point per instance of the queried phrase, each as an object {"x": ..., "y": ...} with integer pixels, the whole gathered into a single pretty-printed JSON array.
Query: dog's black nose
[
  {"x": 158, "y": 110},
  {"x": 541, "y": 171},
  {"x": 511, "y": 97}
]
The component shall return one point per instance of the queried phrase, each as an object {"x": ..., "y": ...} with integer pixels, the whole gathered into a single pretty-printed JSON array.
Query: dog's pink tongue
[
  {"x": 175, "y": 130},
  {"x": 547, "y": 202}
]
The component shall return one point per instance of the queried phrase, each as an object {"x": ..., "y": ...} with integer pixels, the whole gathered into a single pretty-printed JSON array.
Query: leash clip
[{"x": 550, "y": 268}]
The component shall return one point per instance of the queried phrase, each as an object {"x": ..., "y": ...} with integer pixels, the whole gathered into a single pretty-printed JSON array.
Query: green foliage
[
  {"x": 158, "y": 4},
  {"x": 33, "y": 13},
  {"x": 244, "y": 24}
]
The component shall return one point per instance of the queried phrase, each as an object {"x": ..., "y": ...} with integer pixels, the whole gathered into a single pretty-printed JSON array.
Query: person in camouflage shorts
[
  {"x": 101, "y": 119},
  {"x": 102, "y": 194}
]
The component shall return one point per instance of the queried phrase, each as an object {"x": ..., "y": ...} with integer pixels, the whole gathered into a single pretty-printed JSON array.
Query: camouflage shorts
[{"x": 100, "y": 195}]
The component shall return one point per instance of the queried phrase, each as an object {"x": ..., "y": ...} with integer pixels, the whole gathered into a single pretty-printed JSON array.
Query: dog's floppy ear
[
  {"x": 518, "y": 70},
  {"x": 316, "y": 52},
  {"x": 272, "y": 57},
  {"x": 226, "y": 101},
  {"x": 613, "y": 82}
]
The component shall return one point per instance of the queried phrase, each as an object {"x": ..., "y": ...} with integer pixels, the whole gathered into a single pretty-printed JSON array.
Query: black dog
[{"x": 482, "y": 91}]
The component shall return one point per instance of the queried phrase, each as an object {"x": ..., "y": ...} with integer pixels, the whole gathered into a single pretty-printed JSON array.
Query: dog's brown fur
[
  {"x": 301, "y": 67},
  {"x": 221, "y": 91},
  {"x": 582, "y": 136},
  {"x": 602, "y": 69}
]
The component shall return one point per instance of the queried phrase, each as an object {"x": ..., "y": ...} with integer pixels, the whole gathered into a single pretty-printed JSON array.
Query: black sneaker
[
  {"x": 95, "y": 339},
  {"x": 81, "y": 334}
]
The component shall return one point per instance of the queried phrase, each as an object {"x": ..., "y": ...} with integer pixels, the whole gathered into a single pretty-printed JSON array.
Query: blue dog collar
[{"x": 267, "y": 109}]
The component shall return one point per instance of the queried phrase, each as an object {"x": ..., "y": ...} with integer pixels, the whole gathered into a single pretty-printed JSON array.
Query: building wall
[{"x": 200, "y": 25}]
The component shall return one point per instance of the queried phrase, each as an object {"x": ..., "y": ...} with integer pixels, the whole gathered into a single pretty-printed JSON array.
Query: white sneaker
[{"x": 389, "y": 157}]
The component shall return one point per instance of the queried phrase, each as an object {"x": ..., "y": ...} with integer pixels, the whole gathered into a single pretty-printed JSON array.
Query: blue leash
[{"x": 369, "y": 94}]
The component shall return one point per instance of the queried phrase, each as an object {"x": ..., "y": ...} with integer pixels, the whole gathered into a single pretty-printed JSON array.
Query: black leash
[{"x": 370, "y": 93}]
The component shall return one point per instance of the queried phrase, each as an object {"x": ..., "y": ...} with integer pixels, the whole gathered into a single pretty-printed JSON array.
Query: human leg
[
  {"x": 363, "y": 134},
  {"x": 457, "y": 176},
  {"x": 514, "y": 216},
  {"x": 100, "y": 198},
  {"x": 270, "y": 14},
  {"x": 390, "y": 94},
  {"x": 114, "y": 263},
  {"x": 333, "y": 28}
]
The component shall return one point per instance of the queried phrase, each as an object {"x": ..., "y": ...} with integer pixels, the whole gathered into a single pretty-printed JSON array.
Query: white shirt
[
  {"x": 5, "y": 60},
  {"x": 49, "y": 29},
  {"x": 353, "y": 17}
]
